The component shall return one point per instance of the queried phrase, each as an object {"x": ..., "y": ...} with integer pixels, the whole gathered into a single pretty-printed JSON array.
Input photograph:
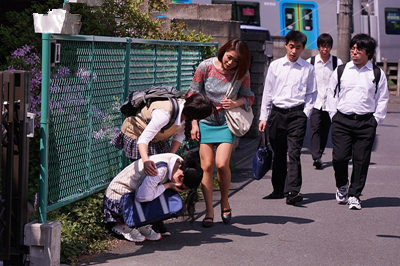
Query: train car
[
  {"x": 385, "y": 25},
  {"x": 380, "y": 19}
]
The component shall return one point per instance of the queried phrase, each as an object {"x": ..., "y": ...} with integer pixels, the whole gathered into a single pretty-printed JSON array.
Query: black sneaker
[
  {"x": 317, "y": 164},
  {"x": 160, "y": 227},
  {"x": 274, "y": 195},
  {"x": 293, "y": 197}
]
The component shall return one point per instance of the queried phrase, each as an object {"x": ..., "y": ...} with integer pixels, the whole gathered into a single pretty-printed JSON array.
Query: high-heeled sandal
[
  {"x": 226, "y": 216},
  {"x": 207, "y": 222}
]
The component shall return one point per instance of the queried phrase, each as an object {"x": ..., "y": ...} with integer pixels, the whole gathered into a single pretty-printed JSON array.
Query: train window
[
  {"x": 306, "y": 14},
  {"x": 289, "y": 18},
  {"x": 392, "y": 21}
]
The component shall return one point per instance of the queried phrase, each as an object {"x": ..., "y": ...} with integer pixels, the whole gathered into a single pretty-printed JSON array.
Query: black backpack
[
  {"x": 139, "y": 99},
  {"x": 334, "y": 61},
  {"x": 340, "y": 69}
]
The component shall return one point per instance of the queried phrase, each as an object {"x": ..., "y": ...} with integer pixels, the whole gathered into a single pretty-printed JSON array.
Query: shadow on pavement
[
  {"x": 388, "y": 236},
  {"x": 259, "y": 219},
  {"x": 314, "y": 197},
  {"x": 381, "y": 202}
]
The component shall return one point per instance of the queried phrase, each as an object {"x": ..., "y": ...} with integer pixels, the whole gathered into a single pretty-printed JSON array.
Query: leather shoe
[
  {"x": 317, "y": 164},
  {"x": 226, "y": 216},
  {"x": 275, "y": 195},
  {"x": 293, "y": 197}
]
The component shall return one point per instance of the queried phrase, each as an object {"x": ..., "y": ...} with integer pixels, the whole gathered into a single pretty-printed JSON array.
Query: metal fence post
[{"x": 44, "y": 129}]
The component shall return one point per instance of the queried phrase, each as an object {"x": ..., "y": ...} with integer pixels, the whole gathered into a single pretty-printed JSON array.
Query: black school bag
[{"x": 139, "y": 99}]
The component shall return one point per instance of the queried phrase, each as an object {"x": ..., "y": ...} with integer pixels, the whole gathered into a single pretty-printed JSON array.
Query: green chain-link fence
[{"x": 84, "y": 81}]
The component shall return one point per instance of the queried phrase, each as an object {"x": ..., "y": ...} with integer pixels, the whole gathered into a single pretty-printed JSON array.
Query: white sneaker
[
  {"x": 354, "y": 203},
  {"x": 341, "y": 194},
  {"x": 130, "y": 234},
  {"x": 149, "y": 233}
]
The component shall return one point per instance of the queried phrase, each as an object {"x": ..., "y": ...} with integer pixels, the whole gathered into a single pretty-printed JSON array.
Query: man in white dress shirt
[
  {"x": 320, "y": 122},
  {"x": 288, "y": 98},
  {"x": 356, "y": 107}
]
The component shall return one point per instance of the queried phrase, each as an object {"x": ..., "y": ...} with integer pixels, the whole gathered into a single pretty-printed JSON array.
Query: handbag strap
[
  {"x": 231, "y": 85},
  {"x": 264, "y": 141}
]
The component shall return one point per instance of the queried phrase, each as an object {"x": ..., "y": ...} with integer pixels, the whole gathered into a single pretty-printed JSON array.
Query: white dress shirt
[
  {"x": 323, "y": 71},
  {"x": 159, "y": 119},
  {"x": 357, "y": 92},
  {"x": 289, "y": 84}
]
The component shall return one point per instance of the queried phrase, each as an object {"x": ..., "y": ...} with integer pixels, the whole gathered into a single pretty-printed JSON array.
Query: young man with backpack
[
  {"x": 357, "y": 101},
  {"x": 324, "y": 64}
]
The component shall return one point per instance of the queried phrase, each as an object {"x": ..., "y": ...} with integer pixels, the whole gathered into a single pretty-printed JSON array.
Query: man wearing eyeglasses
[{"x": 357, "y": 103}]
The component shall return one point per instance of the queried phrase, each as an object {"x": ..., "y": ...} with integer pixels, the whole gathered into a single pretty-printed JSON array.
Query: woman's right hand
[
  {"x": 150, "y": 168},
  {"x": 195, "y": 132}
]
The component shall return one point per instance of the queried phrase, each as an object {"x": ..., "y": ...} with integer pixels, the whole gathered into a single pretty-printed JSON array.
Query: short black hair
[
  {"x": 364, "y": 42},
  {"x": 296, "y": 36},
  {"x": 324, "y": 40}
]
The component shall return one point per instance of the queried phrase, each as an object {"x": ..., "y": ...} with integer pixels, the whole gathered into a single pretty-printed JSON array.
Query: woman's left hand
[{"x": 230, "y": 104}]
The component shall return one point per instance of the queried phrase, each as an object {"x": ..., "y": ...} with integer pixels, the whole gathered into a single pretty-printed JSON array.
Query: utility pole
[{"x": 344, "y": 25}]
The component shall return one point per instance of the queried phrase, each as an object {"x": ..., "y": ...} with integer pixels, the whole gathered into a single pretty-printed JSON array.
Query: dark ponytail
[{"x": 193, "y": 174}]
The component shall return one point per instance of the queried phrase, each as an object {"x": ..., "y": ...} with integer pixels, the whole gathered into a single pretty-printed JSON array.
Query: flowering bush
[{"x": 25, "y": 58}]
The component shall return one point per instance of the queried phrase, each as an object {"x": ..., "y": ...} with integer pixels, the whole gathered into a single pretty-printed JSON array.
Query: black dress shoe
[
  {"x": 275, "y": 195},
  {"x": 317, "y": 164},
  {"x": 293, "y": 197},
  {"x": 226, "y": 216}
]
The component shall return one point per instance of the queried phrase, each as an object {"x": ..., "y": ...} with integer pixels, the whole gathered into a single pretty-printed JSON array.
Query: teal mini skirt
[{"x": 215, "y": 134}]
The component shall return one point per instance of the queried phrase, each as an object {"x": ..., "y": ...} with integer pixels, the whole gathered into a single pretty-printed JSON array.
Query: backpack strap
[
  {"x": 174, "y": 113},
  {"x": 334, "y": 62},
  {"x": 340, "y": 70},
  {"x": 377, "y": 75},
  {"x": 312, "y": 61}
]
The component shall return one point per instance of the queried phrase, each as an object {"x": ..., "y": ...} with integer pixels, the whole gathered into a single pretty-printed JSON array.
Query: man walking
[
  {"x": 288, "y": 97},
  {"x": 357, "y": 100},
  {"x": 320, "y": 122}
]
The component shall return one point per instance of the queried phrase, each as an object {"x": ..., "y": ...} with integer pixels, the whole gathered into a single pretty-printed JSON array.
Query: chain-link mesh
[{"x": 86, "y": 89}]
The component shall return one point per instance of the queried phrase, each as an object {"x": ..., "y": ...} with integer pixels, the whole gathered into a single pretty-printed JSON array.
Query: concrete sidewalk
[{"x": 269, "y": 232}]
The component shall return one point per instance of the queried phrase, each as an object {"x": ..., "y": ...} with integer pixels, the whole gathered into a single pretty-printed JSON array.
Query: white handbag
[{"x": 238, "y": 119}]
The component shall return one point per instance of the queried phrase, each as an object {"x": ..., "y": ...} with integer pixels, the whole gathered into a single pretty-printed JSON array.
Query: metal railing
[{"x": 84, "y": 80}]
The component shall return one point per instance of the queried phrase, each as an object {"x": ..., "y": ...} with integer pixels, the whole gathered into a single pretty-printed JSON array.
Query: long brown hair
[{"x": 243, "y": 52}]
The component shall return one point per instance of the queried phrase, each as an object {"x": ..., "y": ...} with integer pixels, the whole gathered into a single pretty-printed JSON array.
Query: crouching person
[{"x": 173, "y": 173}]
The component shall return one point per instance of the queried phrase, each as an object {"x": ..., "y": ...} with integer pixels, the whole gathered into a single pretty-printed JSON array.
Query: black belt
[
  {"x": 357, "y": 117},
  {"x": 288, "y": 110}
]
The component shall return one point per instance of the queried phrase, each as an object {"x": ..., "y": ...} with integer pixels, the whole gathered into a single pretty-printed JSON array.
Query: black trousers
[
  {"x": 320, "y": 122},
  {"x": 352, "y": 138},
  {"x": 286, "y": 134}
]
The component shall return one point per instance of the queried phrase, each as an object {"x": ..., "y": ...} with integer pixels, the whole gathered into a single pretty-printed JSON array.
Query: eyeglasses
[{"x": 353, "y": 49}]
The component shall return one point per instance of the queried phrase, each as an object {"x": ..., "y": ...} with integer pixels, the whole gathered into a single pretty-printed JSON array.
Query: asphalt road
[{"x": 268, "y": 232}]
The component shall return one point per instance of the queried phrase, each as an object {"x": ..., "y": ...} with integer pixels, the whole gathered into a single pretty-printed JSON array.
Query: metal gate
[{"x": 15, "y": 127}]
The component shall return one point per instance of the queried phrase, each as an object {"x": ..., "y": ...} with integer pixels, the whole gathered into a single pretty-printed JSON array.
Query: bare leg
[
  {"x": 222, "y": 158},
  {"x": 207, "y": 159}
]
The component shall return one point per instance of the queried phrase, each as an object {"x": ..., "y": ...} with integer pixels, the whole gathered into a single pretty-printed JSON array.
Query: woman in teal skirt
[{"x": 212, "y": 78}]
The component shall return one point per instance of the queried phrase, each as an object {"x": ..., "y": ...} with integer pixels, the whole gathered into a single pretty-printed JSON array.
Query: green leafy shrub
[{"x": 83, "y": 229}]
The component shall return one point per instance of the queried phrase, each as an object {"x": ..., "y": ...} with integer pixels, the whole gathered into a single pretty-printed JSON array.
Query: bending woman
[
  {"x": 140, "y": 140},
  {"x": 213, "y": 78}
]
